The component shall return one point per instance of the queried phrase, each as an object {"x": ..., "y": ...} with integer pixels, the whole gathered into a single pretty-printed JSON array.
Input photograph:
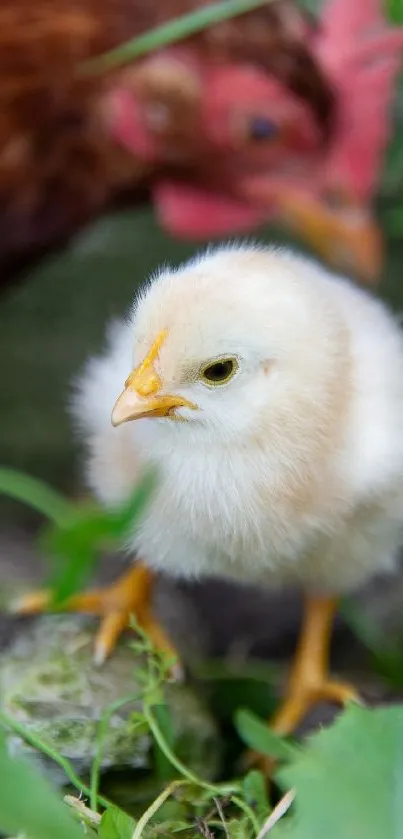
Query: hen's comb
[{"x": 361, "y": 55}]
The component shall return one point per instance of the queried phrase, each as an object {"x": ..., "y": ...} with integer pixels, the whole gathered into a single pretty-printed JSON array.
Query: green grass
[
  {"x": 42, "y": 810},
  {"x": 76, "y": 532},
  {"x": 346, "y": 778}
]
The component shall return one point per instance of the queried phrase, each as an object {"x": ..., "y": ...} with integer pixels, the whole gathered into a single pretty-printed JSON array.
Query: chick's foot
[
  {"x": 129, "y": 596},
  {"x": 309, "y": 682},
  {"x": 303, "y": 698}
]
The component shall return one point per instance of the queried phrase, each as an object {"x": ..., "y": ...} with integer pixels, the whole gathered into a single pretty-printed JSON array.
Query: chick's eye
[{"x": 219, "y": 372}]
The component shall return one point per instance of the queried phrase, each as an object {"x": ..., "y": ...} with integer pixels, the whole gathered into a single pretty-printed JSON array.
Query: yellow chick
[{"x": 269, "y": 395}]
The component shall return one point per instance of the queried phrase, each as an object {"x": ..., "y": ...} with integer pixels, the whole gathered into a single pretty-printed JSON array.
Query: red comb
[{"x": 361, "y": 55}]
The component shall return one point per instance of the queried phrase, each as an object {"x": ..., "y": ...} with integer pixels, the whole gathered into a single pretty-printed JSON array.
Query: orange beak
[
  {"x": 347, "y": 237},
  {"x": 142, "y": 395},
  {"x": 344, "y": 234}
]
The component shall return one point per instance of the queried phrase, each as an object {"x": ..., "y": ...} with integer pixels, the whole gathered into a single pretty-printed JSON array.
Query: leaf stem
[
  {"x": 155, "y": 806},
  {"x": 222, "y": 789},
  {"x": 36, "y": 742},
  {"x": 96, "y": 763}
]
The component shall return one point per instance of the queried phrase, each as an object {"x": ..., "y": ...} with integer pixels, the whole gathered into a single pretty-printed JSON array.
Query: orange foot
[
  {"x": 309, "y": 681},
  {"x": 130, "y": 595}
]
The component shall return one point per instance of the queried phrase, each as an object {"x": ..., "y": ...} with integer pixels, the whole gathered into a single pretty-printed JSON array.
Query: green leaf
[
  {"x": 121, "y": 522},
  {"x": 77, "y": 532},
  {"x": 392, "y": 174},
  {"x": 393, "y": 222},
  {"x": 73, "y": 550},
  {"x": 116, "y": 824},
  {"x": 168, "y": 33},
  {"x": 76, "y": 544},
  {"x": 394, "y": 11},
  {"x": 258, "y": 735},
  {"x": 238, "y": 829},
  {"x": 386, "y": 653},
  {"x": 254, "y": 787},
  {"x": 36, "y": 493},
  {"x": 163, "y": 767},
  {"x": 29, "y": 805},
  {"x": 349, "y": 779}
]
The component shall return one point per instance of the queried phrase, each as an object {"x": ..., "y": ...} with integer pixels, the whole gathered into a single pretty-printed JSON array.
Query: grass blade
[
  {"x": 170, "y": 32},
  {"x": 36, "y": 494},
  {"x": 258, "y": 736}
]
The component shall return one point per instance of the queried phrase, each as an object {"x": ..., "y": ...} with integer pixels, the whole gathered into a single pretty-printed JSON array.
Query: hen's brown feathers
[{"x": 58, "y": 163}]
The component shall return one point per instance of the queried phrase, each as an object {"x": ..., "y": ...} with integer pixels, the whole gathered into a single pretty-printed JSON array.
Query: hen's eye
[
  {"x": 219, "y": 372},
  {"x": 262, "y": 128}
]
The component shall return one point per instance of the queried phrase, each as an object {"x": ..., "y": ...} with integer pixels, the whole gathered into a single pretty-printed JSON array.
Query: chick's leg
[
  {"x": 309, "y": 681},
  {"x": 130, "y": 595}
]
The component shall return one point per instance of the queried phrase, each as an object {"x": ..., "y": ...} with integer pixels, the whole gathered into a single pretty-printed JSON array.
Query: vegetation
[
  {"x": 343, "y": 783},
  {"x": 344, "y": 780}
]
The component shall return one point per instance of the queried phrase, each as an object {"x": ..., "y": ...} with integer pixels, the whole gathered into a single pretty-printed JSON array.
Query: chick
[{"x": 269, "y": 395}]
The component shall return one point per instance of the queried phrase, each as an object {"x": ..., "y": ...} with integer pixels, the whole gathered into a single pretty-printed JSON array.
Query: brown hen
[{"x": 59, "y": 162}]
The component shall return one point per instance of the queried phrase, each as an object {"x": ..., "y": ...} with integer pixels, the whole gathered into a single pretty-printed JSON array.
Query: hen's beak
[
  {"x": 342, "y": 232},
  {"x": 142, "y": 395},
  {"x": 346, "y": 236}
]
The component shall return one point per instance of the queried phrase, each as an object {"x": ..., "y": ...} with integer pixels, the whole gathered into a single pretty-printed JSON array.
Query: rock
[{"x": 49, "y": 683}]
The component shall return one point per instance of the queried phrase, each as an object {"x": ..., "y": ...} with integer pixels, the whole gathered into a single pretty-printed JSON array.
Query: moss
[{"x": 48, "y": 682}]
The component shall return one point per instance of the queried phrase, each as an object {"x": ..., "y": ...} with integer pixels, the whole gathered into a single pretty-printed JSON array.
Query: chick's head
[{"x": 235, "y": 340}]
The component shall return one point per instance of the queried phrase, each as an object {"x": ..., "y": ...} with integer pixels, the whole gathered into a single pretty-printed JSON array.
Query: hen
[
  {"x": 60, "y": 163},
  {"x": 268, "y": 394},
  {"x": 268, "y": 115}
]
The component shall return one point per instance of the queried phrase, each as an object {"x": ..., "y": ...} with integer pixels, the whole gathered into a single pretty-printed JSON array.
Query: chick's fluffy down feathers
[{"x": 292, "y": 472}]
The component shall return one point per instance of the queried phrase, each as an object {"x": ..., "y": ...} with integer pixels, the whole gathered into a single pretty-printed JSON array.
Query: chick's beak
[
  {"x": 142, "y": 395},
  {"x": 130, "y": 406}
]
